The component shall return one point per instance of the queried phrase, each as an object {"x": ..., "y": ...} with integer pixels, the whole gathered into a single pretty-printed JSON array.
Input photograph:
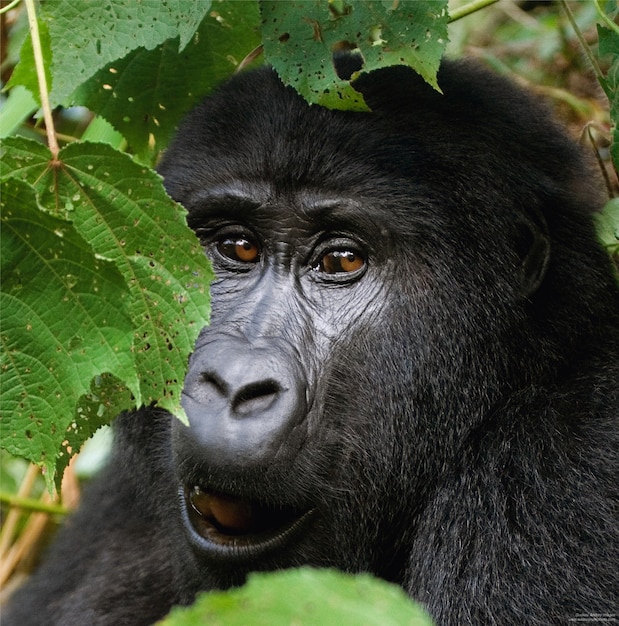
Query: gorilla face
[
  {"x": 300, "y": 280},
  {"x": 355, "y": 314}
]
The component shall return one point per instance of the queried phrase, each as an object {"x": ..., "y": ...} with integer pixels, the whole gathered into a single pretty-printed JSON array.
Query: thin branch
[
  {"x": 468, "y": 9},
  {"x": 251, "y": 56},
  {"x": 588, "y": 135},
  {"x": 52, "y": 141},
  {"x": 23, "y": 546},
  {"x": 31, "y": 504},
  {"x": 9, "y": 6},
  {"x": 12, "y": 518},
  {"x": 585, "y": 46},
  {"x": 605, "y": 17}
]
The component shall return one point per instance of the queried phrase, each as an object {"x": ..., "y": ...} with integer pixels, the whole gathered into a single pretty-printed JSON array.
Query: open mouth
[{"x": 226, "y": 527}]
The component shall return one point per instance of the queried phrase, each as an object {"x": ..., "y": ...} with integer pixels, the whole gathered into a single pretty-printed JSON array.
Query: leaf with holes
[
  {"x": 146, "y": 111},
  {"x": 64, "y": 321},
  {"x": 85, "y": 36},
  {"x": 301, "y": 34},
  {"x": 120, "y": 215}
]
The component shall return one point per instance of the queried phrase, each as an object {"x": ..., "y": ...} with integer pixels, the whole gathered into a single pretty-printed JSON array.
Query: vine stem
[
  {"x": 469, "y": 8},
  {"x": 12, "y": 518},
  {"x": 52, "y": 140},
  {"x": 30, "y": 504},
  {"x": 585, "y": 46},
  {"x": 10, "y": 6},
  {"x": 605, "y": 17}
]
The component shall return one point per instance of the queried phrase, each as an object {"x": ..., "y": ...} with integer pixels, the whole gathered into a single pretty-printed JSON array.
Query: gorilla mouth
[{"x": 227, "y": 527}]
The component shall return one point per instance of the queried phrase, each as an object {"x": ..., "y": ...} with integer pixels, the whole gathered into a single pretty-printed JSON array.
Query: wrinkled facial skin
[
  {"x": 290, "y": 284},
  {"x": 297, "y": 277}
]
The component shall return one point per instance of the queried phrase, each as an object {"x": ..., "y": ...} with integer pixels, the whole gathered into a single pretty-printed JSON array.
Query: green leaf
[
  {"x": 122, "y": 213},
  {"x": 64, "y": 321},
  {"x": 608, "y": 41},
  {"x": 607, "y": 225},
  {"x": 108, "y": 397},
  {"x": 145, "y": 110},
  {"x": 19, "y": 105},
  {"x": 86, "y": 36},
  {"x": 300, "y": 34},
  {"x": 25, "y": 73},
  {"x": 304, "y": 597},
  {"x": 100, "y": 130}
]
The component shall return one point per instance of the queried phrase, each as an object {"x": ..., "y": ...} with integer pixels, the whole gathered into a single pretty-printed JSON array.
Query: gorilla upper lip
[{"x": 229, "y": 527}]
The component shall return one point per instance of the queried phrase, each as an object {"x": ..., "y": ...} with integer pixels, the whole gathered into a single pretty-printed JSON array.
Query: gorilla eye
[
  {"x": 340, "y": 262},
  {"x": 240, "y": 249}
]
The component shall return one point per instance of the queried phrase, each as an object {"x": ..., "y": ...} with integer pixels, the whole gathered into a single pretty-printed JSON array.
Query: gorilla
[{"x": 411, "y": 368}]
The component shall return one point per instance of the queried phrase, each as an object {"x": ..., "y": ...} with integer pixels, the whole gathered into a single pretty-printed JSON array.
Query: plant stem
[
  {"x": 605, "y": 17},
  {"x": 583, "y": 43},
  {"x": 12, "y": 518},
  {"x": 9, "y": 6},
  {"x": 31, "y": 504},
  {"x": 52, "y": 141},
  {"x": 469, "y": 8}
]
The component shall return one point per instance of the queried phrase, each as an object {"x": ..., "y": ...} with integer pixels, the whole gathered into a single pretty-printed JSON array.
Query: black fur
[{"x": 461, "y": 393}]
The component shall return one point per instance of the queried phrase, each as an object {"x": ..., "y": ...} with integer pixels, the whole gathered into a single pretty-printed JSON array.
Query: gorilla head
[
  {"x": 411, "y": 368},
  {"x": 393, "y": 289}
]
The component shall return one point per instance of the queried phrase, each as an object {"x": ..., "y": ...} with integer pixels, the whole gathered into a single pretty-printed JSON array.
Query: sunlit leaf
[
  {"x": 85, "y": 36},
  {"x": 64, "y": 321},
  {"x": 145, "y": 110}
]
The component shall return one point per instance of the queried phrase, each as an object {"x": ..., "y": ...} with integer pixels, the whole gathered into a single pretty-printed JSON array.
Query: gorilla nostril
[
  {"x": 255, "y": 398},
  {"x": 214, "y": 382}
]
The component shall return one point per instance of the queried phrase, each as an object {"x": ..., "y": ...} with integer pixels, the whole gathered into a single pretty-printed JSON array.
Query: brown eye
[
  {"x": 341, "y": 262},
  {"x": 239, "y": 249}
]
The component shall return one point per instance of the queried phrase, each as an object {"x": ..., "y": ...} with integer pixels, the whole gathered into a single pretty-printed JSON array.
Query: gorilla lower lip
[{"x": 230, "y": 527}]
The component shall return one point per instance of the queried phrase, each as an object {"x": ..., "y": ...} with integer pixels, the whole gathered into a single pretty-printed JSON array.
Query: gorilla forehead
[
  {"x": 303, "y": 209},
  {"x": 256, "y": 129},
  {"x": 411, "y": 146}
]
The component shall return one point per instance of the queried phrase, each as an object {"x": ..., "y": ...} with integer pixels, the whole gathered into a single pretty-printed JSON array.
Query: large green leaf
[
  {"x": 302, "y": 34},
  {"x": 85, "y": 36},
  {"x": 109, "y": 212},
  {"x": 304, "y": 597},
  {"x": 64, "y": 321},
  {"x": 144, "y": 94}
]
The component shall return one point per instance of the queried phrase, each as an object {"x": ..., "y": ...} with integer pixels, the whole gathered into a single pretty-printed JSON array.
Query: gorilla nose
[
  {"x": 237, "y": 393},
  {"x": 242, "y": 403}
]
